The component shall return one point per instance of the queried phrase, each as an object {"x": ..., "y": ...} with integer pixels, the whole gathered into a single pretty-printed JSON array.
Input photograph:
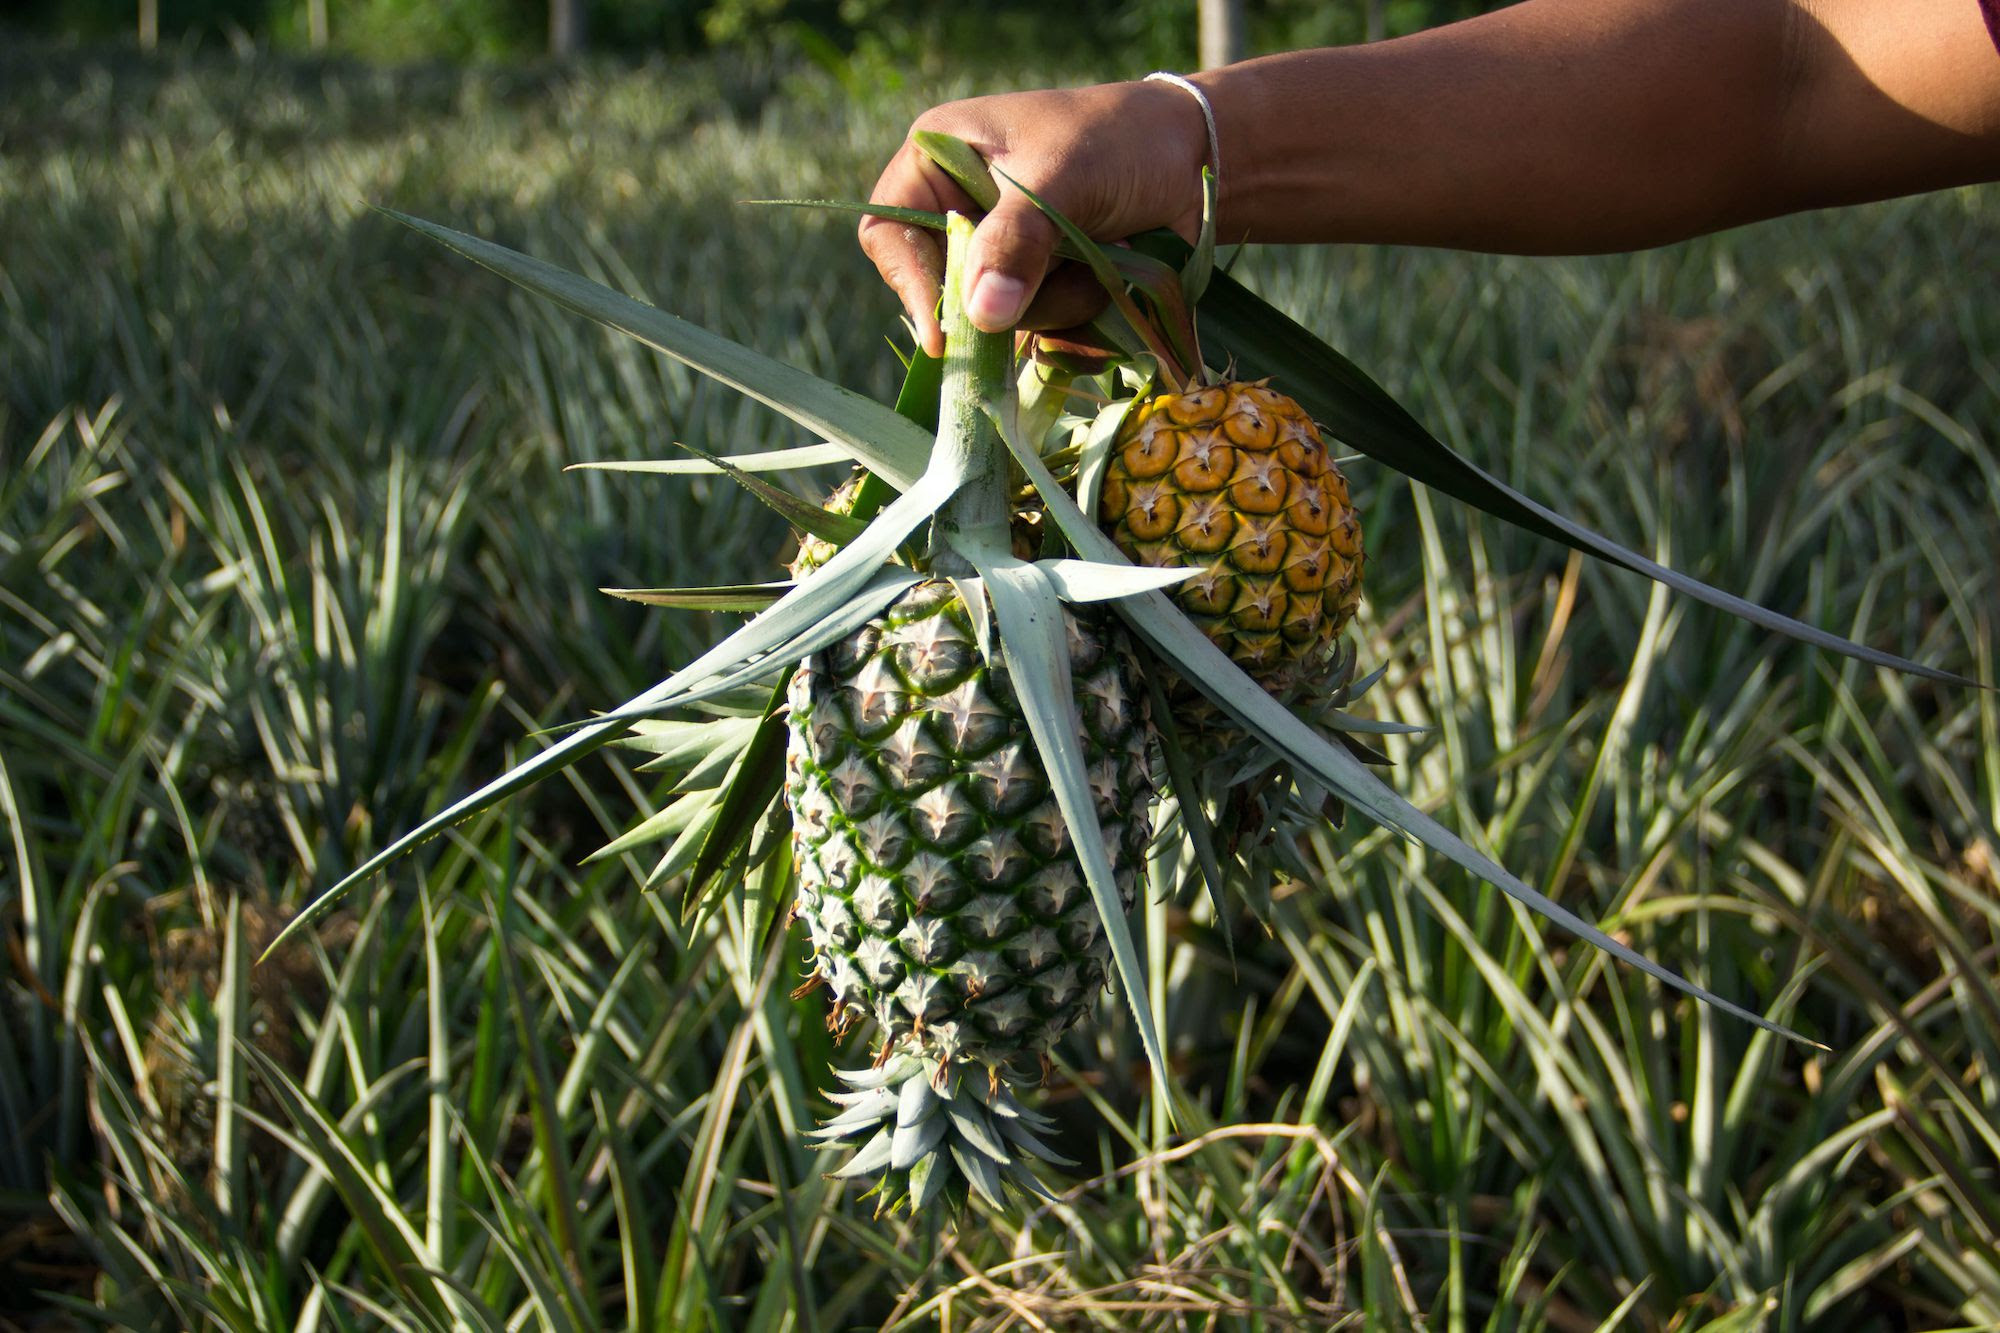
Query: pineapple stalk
[{"x": 977, "y": 371}]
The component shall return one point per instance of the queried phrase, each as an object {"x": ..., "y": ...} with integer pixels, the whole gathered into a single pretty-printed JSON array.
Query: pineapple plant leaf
[
  {"x": 1039, "y": 664},
  {"x": 1169, "y": 337},
  {"x": 751, "y": 597},
  {"x": 889, "y": 445},
  {"x": 1188, "y": 808},
  {"x": 769, "y": 460},
  {"x": 804, "y": 619},
  {"x": 756, "y": 664},
  {"x": 1200, "y": 265},
  {"x": 923, "y": 385},
  {"x": 1096, "y": 581},
  {"x": 1259, "y": 340},
  {"x": 828, "y": 525},
  {"x": 754, "y": 784}
]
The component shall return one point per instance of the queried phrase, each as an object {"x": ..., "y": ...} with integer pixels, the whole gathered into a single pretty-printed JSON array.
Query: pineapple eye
[
  {"x": 1150, "y": 453},
  {"x": 1207, "y": 467},
  {"x": 1155, "y": 511}
]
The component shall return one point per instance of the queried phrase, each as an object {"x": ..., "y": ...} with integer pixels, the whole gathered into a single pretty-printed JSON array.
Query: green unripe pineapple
[
  {"x": 936, "y": 876},
  {"x": 937, "y": 879}
]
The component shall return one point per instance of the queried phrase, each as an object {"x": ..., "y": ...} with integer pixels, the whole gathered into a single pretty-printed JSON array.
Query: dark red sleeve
[{"x": 1991, "y": 9}]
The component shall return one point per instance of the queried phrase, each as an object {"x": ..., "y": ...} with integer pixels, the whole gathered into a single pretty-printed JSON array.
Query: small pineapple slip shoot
[
  {"x": 1024, "y": 529},
  {"x": 1233, "y": 479},
  {"x": 937, "y": 879}
]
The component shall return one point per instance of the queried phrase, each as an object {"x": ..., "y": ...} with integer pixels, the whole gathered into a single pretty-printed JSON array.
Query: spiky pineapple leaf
[
  {"x": 923, "y": 389},
  {"x": 329, "y": 1147},
  {"x": 670, "y": 821},
  {"x": 804, "y": 515},
  {"x": 962, "y": 162},
  {"x": 714, "y": 768},
  {"x": 1208, "y": 668},
  {"x": 1370, "y": 725},
  {"x": 674, "y": 744},
  {"x": 753, "y": 785},
  {"x": 1035, "y": 648},
  {"x": 1200, "y": 265},
  {"x": 1089, "y": 581},
  {"x": 751, "y": 597},
  {"x": 769, "y": 460},
  {"x": 1181, "y": 776},
  {"x": 1170, "y": 338},
  {"x": 852, "y": 615},
  {"x": 872, "y": 434},
  {"x": 1093, "y": 460},
  {"x": 688, "y": 844}
]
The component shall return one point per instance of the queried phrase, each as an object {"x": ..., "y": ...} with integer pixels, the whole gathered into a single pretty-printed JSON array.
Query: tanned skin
[{"x": 1551, "y": 127}]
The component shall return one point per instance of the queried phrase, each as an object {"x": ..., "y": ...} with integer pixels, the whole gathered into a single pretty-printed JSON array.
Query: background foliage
[
  {"x": 287, "y": 558},
  {"x": 403, "y": 30}
]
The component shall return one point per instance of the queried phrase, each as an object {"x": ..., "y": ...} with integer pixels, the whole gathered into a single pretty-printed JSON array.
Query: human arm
[{"x": 1553, "y": 126}]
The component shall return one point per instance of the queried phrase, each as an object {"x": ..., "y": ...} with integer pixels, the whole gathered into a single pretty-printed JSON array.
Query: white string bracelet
[{"x": 1193, "y": 90}]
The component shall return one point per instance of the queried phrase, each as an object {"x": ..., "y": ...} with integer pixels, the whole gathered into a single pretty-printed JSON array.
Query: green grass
[{"x": 287, "y": 559}]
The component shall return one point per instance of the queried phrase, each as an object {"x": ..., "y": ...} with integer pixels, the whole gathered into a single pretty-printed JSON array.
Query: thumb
[{"x": 1010, "y": 255}]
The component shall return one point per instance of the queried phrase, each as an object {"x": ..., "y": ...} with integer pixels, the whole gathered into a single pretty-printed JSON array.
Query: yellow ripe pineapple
[{"x": 1234, "y": 478}]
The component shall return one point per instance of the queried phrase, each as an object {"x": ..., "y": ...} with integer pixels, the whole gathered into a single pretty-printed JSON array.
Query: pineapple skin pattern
[
  {"x": 939, "y": 886},
  {"x": 1234, "y": 480},
  {"x": 937, "y": 880}
]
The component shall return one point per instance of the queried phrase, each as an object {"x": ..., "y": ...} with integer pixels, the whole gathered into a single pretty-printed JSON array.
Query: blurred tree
[
  {"x": 1222, "y": 33},
  {"x": 444, "y": 29},
  {"x": 567, "y": 27}
]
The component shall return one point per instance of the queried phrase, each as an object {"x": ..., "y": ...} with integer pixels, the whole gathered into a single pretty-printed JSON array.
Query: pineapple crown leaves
[
  {"x": 748, "y": 597},
  {"x": 1200, "y": 265},
  {"x": 741, "y": 806},
  {"x": 839, "y": 597},
  {"x": 935, "y": 1135},
  {"x": 1099, "y": 439}
]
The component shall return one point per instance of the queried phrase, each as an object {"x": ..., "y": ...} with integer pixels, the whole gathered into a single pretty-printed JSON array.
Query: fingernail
[{"x": 996, "y": 300}]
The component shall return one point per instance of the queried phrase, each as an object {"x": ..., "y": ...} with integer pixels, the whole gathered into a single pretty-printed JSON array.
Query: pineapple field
[{"x": 1134, "y": 997}]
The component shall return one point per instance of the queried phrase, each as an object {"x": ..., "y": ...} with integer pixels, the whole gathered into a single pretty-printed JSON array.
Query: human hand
[{"x": 1116, "y": 159}]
